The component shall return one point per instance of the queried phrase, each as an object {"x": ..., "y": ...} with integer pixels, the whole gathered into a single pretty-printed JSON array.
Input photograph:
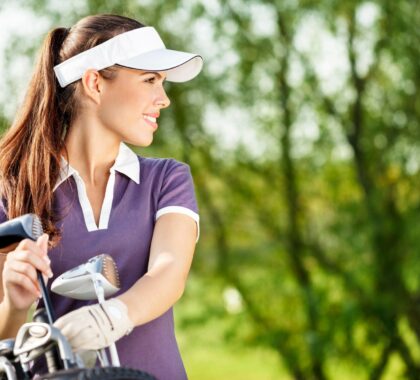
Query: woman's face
[{"x": 130, "y": 105}]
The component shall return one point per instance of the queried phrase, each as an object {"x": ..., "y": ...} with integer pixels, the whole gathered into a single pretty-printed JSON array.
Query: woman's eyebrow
[{"x": 153, "y": 72}]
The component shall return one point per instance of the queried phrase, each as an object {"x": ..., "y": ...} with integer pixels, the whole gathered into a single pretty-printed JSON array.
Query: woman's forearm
[
  {"x": 10, "y": 320},
  {"x": 154, "y": 293}
]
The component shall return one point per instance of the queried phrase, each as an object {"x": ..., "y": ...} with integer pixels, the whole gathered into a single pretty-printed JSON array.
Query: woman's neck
[{"x": 92, "y": 149}]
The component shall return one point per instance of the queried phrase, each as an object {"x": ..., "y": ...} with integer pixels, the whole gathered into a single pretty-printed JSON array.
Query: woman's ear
[{"x": 91, "y": 84}]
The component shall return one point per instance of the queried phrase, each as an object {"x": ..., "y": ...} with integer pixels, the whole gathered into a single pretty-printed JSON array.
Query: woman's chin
[{"x": 141, "y": 142}]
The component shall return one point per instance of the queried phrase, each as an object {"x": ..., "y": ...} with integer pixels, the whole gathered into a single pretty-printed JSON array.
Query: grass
[{"x": 224, "y": 362}]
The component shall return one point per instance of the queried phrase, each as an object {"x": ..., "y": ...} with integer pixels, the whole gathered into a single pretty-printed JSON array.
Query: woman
[{"x": 97, "y": 86}]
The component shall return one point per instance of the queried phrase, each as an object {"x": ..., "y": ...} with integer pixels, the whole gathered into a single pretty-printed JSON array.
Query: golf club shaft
[
  {"x": 100, "y": 293},
  {"x": 46, "y": 298}
]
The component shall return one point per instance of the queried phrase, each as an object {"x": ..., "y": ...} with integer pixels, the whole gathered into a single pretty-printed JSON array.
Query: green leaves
[{"x": 302, "y": 135}]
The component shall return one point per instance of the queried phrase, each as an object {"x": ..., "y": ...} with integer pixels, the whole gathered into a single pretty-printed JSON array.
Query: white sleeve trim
[{"x": 180, "y": 210}]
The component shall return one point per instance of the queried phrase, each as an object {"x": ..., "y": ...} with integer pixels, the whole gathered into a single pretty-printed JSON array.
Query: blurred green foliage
[{"x": 309, "y": 246}]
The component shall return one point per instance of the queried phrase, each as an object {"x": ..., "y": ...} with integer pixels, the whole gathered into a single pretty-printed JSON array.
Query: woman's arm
[
  {"x": 171, "y": 255},
  {"x": 10, "y": 320},
  {"x": 19, "y": 287},
  {"x": 172, "y": 249}
]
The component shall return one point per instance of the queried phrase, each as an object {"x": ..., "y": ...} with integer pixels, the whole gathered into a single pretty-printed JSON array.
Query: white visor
[{"x": 141, "y": 49}]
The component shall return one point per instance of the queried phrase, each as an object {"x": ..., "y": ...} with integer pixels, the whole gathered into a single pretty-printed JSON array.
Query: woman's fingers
[
  {"x": 29, "y": 245},
  {"x": 70, "y": 326},
  {"x": 22, "y": 267},
  {"x": 37, "y": 260},
  {"x": 17, "y": 278},
  {"x": 20, "y": 277},
  {"x": 17, "y": 270},
  {"x": 38, "y": 248},
  {"x": 42, "y": 243},
  {"x": 81, "y": 330}
]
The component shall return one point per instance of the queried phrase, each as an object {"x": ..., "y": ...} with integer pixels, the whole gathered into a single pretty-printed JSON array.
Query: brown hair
[{"x": 30, "y": 151}]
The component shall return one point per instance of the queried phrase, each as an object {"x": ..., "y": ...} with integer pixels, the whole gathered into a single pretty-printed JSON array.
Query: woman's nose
[{"x": 162, "y": 99}]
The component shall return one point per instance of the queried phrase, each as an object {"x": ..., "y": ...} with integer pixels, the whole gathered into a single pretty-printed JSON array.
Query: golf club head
[
  {"x": 6, "y": 348},
  {"x": 7, "y": 368},
  {"x": 27, "y": 226},
  {"x": 78, "y": 283},
  {"x": 36, "y": 338}
]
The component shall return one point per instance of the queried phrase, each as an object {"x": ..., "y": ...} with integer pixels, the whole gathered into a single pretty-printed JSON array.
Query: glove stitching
[
  {"x": 109, "y": 319},
  {"x": 95, "y": 319}
]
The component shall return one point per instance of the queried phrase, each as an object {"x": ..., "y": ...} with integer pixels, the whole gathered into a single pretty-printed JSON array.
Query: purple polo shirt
[{"x": 164, "y": 185}]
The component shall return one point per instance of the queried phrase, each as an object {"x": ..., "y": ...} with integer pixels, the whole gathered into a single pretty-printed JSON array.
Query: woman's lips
[{"x": 151, "y": 120}]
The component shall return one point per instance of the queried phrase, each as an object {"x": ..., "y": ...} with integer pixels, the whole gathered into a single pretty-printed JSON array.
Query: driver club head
[{"x": 78, "y": 283}]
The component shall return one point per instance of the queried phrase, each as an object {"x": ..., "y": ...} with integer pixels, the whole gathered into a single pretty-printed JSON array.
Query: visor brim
[{"x": 179, "y": 66}]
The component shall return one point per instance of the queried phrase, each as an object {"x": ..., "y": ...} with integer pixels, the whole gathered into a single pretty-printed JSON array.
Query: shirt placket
[{"x": 87, "y": 207}]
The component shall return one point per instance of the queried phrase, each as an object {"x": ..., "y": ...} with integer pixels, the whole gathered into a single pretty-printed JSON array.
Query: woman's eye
[{"x": 150, "y": 80}]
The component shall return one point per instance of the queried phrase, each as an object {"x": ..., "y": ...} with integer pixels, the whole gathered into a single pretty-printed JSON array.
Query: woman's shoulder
[
  {"x": 159, "y": 165},
  {"x": 162, "y": 171}
]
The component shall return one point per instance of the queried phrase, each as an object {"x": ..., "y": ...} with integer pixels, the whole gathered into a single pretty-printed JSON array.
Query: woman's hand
[
  {"x": 96, "y": 326},
  {"x": 20, "y": 283}
]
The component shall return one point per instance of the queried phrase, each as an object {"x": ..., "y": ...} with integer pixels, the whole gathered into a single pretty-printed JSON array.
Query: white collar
[{"x": 126, "y": 163}]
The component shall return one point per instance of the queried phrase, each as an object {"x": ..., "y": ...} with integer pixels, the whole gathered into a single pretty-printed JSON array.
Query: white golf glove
[{"x": 96, "y": 326}]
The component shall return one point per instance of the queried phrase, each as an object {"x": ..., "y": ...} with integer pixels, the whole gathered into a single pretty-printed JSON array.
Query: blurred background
[{"x": 302, "y": 134}]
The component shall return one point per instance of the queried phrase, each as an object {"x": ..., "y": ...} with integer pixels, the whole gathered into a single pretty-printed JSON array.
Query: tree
[{"x": 313, "y": 215}]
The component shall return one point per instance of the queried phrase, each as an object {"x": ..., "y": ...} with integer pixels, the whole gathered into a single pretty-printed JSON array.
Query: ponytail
[{"x": 30, "y": 149}]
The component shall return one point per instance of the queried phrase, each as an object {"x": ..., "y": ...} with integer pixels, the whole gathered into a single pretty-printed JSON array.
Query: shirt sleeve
[{"x": 177, "y": 193}]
